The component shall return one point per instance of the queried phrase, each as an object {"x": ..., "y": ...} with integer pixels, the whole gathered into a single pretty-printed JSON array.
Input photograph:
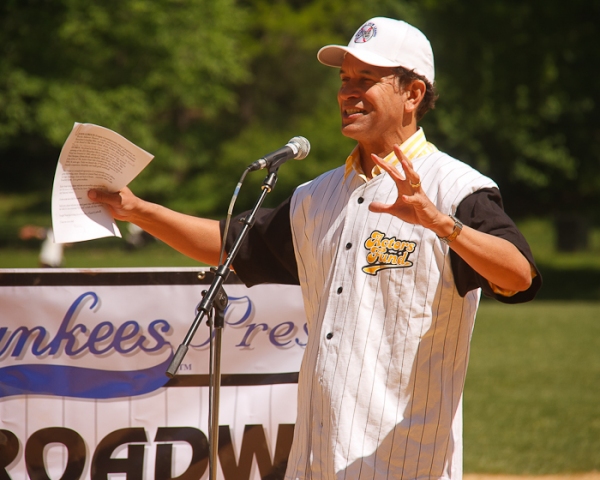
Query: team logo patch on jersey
[
  {"x": 384, "y": 252},
  {"x": 366, "y": 33}
]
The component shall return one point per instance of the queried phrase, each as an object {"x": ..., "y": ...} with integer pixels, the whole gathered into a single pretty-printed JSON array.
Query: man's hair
[{"x": 405, "y": 77}]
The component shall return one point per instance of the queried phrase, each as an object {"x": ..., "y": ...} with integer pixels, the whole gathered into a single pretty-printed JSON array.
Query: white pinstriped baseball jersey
[{"x": 381, "y": 382}]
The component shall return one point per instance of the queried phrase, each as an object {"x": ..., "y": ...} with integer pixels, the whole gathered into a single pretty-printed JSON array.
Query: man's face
[{"x": 371, "y": 103}]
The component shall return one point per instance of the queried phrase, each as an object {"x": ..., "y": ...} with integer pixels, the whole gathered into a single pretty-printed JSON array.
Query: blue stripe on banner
[{"x": 80, "y": 382}]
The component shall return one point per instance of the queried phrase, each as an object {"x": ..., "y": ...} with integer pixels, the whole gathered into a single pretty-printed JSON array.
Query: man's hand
[
  {"x": 412, "y": 205},
  {"x": 494, "y": 258},
  {"x": 122, "y": 205},
  {"x": 198, "y": 238}
]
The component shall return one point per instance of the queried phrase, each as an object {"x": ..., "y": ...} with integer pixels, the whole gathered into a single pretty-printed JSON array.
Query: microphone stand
[{"x": 216, "y": 299}]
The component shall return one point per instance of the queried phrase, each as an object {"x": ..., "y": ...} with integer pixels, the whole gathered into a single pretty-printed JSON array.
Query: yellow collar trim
[{"x": 414, "y": 147}]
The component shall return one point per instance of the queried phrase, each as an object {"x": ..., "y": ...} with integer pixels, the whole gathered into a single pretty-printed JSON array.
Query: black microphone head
[{"x": 303, "y": 146}]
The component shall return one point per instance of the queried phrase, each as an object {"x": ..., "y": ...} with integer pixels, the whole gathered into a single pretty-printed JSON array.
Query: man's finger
[
  {"x": 412, "y": 176},
  {"x": 394, "y": 172},
  {"x": 104, "y": 197},
  {"x": 378, "y": 207}
]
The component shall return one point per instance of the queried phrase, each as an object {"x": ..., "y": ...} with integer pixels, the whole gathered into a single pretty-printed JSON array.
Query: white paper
[{"x": 92, "y": 157}]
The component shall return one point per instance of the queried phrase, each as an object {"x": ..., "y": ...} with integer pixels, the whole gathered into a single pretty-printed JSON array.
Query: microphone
[{"x": 297, "y": 148}]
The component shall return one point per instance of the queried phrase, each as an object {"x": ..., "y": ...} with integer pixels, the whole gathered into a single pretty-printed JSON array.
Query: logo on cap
[{"x": 366, "y": 33}]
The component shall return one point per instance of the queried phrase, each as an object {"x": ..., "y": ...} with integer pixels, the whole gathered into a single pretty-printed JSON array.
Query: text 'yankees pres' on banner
[{"x": 83, "y": 389}]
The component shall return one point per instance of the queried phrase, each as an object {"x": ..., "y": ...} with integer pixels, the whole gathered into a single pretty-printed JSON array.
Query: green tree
[
  {"x": 290, "y": 93},
  {"x": 208, "y": 87},
  {"x": 160, "y": 73},
  {"x": 518, "y": 97}
]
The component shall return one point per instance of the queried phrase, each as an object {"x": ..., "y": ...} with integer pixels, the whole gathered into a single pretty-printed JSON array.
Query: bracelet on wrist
[{"x": 458, "y": 226}]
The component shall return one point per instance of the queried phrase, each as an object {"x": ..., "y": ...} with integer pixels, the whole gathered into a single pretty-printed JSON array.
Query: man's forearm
[
  {"x": 197, "y": 238},
  {"x": 494, "y": 258}
]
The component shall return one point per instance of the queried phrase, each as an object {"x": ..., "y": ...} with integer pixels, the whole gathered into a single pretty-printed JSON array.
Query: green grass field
[
  {"x": 101, "y": 253},
  {"x": 106, "y": 253},
  {"x": 532, "y": 396}
]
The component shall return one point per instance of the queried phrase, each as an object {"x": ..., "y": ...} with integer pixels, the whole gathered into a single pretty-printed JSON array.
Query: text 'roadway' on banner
[{"x": 83, "y": 389}]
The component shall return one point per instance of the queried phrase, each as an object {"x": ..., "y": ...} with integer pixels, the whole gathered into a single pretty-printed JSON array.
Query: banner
[{"x": 83, "y": 389}]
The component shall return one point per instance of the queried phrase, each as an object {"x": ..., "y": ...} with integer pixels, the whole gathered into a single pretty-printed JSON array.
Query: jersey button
[
  {"x": 360, "y": 200},
  {"x": 329, "y": 336},
  {"x": 348, "y": 246},
  {"x": 339, "y": 290}
]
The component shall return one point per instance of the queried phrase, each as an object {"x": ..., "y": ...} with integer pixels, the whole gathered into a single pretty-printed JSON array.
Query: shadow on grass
[{"x": 569, "y": 284}]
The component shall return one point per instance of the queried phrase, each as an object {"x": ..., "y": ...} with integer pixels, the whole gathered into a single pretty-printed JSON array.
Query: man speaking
[{"x": 392, "y": 251}]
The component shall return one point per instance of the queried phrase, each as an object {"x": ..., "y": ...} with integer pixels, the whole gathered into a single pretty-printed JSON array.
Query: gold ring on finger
[{"x": 415, "y": 185}]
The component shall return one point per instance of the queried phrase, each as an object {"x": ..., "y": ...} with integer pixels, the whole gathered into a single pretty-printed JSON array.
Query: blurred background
[{"x": 208, "y": 86}]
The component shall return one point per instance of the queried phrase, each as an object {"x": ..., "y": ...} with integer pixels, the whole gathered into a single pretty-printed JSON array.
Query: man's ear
[{"x": 415, "y": 92}]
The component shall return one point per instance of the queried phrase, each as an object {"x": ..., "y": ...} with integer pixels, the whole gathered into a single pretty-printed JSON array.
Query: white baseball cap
[{"x": 384, "y": 42}]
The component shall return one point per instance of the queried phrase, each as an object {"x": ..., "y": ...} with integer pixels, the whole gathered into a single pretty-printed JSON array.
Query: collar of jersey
[{"x": 414, "y": 147}]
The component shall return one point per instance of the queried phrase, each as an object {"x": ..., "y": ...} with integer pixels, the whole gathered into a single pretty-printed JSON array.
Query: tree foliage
[
  {"x": 519, "y": 99},
  {"x": 208, "y": 87},
  {"x": 160, "y": 73}
]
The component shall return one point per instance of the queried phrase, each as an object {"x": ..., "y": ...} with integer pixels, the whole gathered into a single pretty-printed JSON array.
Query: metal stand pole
[
  {"x": 217, "y": 326},
  {"x": 216, "y": 299}
]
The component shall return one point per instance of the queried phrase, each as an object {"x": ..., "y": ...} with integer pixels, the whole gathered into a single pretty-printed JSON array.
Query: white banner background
[{"x": 264, "y": 334}]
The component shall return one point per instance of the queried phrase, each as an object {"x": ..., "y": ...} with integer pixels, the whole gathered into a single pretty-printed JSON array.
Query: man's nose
[{"x": 348, "y": 90}]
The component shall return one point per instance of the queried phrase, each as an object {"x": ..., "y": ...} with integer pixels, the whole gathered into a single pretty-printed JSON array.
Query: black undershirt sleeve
[
  {"x": 267, "y": 254},
  {"x": 483, "y": 211}
]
